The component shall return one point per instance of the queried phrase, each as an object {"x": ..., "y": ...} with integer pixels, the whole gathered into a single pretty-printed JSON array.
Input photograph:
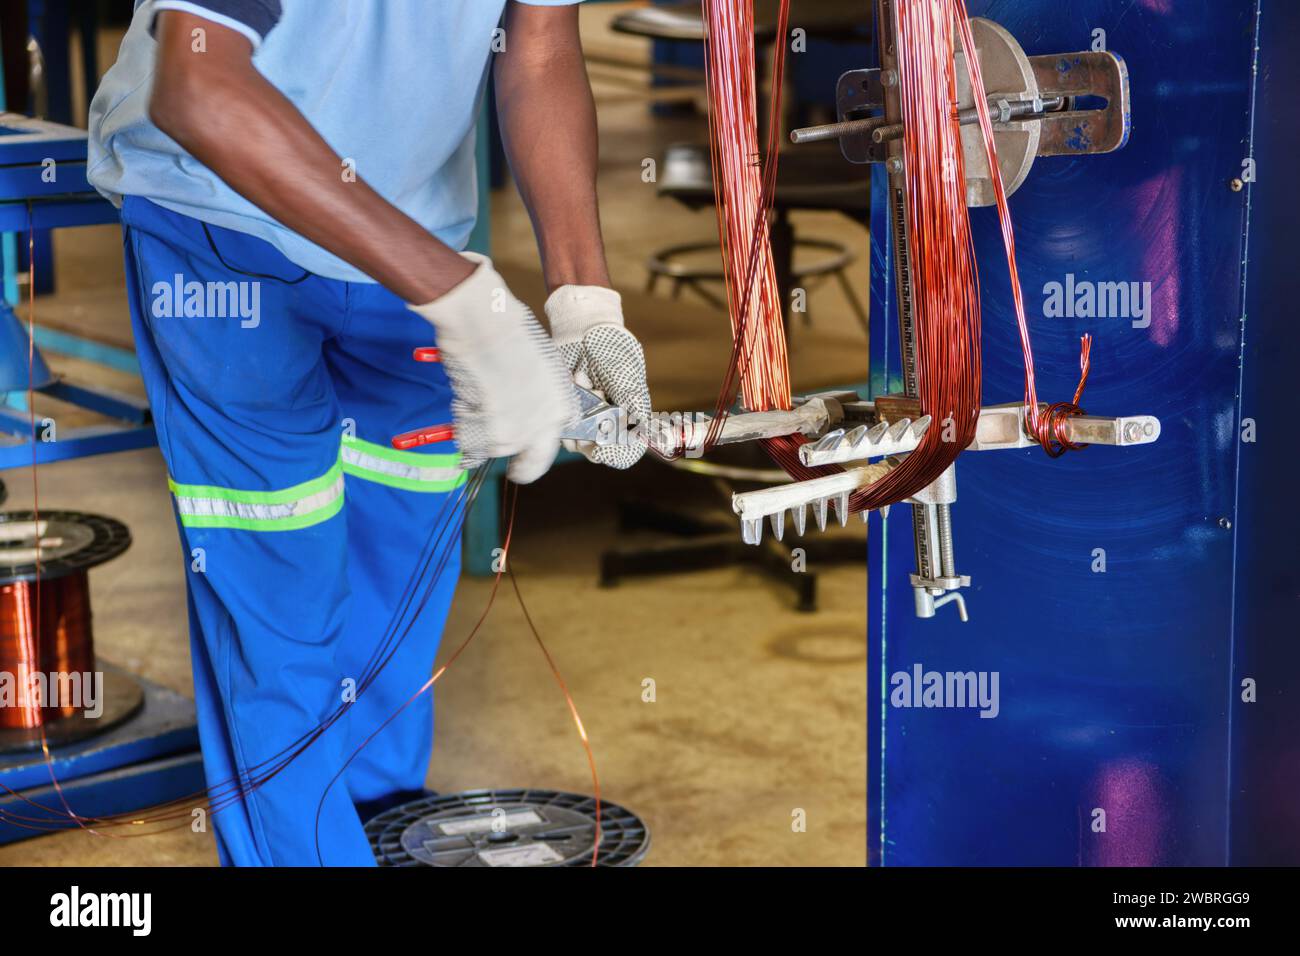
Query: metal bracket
[{"x": 1063, "y": 104}]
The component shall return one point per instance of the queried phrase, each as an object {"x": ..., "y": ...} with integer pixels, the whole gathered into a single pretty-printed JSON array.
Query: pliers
[{"x": 597, "y": 420}]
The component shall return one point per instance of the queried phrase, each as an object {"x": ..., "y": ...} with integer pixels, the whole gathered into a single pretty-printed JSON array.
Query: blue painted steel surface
[
  {"x": 1117, "y": 689},
  {"x": 68, "y": 200},
  {"x": 57, "y": 214},
  {"x": 151, "y": 758},
  {"x": 1265, "y": 769},
  {"x": 164, "y": 728},
  {"x": 65, "y": 343},
  {"x": 112, "y": 792},
  {"x": 14, "y": 355},
  {"x": 77, "y": 443},
  {"x": 24, "y": 140},
  {"x": 22, "y": 182},
  {"x": 131, "y": 429}
]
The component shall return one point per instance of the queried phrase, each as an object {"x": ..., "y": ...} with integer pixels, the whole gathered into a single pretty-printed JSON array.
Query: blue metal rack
[
  {"x": 43, "y": 186},
  {"x": 153, "y": 757}
]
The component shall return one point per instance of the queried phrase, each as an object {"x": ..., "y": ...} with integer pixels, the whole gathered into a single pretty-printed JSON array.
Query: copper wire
[
  {"x": 38, "y": 641},
  {"x": 744, "y": 188},
  {"x": 1046, "y": 425},
  {"x": 946, "y": 302},
  {"x": 943, "y": 270},
  {"x": 442, "y": 544}
]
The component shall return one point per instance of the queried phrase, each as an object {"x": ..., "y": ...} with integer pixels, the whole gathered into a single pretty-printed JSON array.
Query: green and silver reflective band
[
  {"x": 402, "y": 469},
  {"x": 204, "y": 506}
]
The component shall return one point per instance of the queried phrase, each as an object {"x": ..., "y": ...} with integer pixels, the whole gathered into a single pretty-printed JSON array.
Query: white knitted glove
[
  {"x": 512, "y": 392},
  {"x": 587, "y": 326}
]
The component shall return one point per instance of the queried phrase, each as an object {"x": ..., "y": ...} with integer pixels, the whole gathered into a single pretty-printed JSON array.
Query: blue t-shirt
[{"x": 392, "y": 85}]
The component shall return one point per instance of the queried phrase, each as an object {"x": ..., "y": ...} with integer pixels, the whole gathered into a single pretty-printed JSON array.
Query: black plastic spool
[
  {"x": 416, "y": 833},
  {"x": 108, "y": 538}
]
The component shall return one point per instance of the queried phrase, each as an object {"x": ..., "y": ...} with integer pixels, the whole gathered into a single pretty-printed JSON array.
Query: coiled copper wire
[
  {"x": 43, "y": 640},
  {"x": 946, "y": 303},
  {"x": 946, "y": 299}
]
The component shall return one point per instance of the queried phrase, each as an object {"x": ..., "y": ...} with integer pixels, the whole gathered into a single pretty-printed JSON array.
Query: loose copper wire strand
[
  {"x": 1048, "y": 426},
  {"x": 504, "y": 567},
  {"x": 177, "y": 812},
  {"x": 31, "y": 649}
]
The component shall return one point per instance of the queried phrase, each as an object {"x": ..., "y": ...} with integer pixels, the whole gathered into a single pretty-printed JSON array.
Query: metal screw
[
  {"x": 895, "y": 164},
  {"x": 1236, "y": 185},
  {"x": 1225, "y": 524},
  {"x": 947, "y": 562},
  {"x": 888, "y": 78}
]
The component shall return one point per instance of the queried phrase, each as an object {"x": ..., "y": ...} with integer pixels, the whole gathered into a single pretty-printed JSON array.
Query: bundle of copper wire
[
  {"x": 744, "y": 188},
  {"x": 944, "y": 275},
  {"x": 946, "y": 302}
]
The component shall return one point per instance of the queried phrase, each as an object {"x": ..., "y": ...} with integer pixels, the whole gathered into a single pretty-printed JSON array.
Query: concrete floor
[{"x": 760, "y": 711}]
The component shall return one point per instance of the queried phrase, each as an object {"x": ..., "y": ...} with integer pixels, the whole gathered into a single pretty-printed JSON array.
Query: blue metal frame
[
  {"x": 1119, "y": 690},
  {"x": 132, "y": 425},
  {"x": 1264, "y": 772},
  {"x": 27, "y": 201},
  {"x": 150, "y": 759}
]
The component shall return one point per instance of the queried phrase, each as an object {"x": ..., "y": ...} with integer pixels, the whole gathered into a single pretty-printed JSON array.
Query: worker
[{"x": 296, "y": 181}]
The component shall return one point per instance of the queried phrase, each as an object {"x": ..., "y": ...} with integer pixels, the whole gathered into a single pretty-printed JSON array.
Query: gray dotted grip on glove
[{"x": 612, "y": 360}]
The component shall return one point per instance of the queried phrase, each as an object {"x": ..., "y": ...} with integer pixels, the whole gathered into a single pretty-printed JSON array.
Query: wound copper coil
[
  {"x": 39, "y": 662},
  {"x": 47, "y": 653}
]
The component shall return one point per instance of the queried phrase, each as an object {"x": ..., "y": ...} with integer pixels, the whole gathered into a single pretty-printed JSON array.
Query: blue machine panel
[{"x": 1117, "y": 688}]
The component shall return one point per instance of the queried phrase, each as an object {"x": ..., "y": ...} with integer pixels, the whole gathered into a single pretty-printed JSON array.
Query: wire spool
[
  {"x": 52, "y": 687},
  {"x": 506, "y": 828}
]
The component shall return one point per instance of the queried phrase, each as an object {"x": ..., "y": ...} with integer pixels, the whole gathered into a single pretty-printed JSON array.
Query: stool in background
[{"x": 808, "y": 178}]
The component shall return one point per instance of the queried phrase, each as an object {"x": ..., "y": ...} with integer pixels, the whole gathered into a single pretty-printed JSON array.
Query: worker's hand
[
  {"x": 587, "y": 325},
  {"x": 513, "y": 394}
]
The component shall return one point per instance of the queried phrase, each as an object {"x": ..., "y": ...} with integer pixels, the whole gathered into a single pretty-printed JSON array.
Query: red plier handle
[
  {"x": 423, "y": 436},
  {"x": 433, "y": 433}
]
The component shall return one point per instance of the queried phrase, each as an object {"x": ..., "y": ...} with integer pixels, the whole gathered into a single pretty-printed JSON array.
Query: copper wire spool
[
  {"x": 52, "y": 687},
  {"x": 61, "y": 644}
]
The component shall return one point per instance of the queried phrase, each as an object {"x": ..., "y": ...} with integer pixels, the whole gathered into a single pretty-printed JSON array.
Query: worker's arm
[
  {"x": 548, "y": 125},
  {"x": 511, "y": 393},
  {"x": 217, "y": 106}
]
